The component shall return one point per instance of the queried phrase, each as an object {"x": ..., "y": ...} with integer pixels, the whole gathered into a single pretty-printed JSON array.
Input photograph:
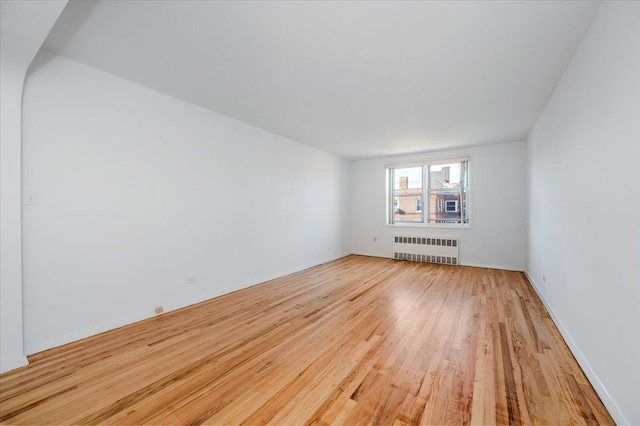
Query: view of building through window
[
  {"x": 407, "y": 191},
  {"x": 446, "y": 193},
  {"x": 445, "y": 198}
]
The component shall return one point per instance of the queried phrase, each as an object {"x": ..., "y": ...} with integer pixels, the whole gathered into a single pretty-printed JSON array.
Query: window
[
  {"x": 407, "y": 189},
  {"x": 451, "y": 206},
  {"x": 429, "y": 193}
]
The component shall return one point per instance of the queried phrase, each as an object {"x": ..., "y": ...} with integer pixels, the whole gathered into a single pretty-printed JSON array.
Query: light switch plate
[{"x": 30, "y": 198}]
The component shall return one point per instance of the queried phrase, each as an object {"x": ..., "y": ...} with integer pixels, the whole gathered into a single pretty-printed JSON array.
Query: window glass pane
[
  {"x": 445, "y": 204},
  {"x": 407, "y": 190}
]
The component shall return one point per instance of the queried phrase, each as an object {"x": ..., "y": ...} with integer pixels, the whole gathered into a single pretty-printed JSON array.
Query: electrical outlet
[
  {"x": 159, "y": 310},
  {"x": 190, "y": 280},
  {"x": 544, "y": 278}
]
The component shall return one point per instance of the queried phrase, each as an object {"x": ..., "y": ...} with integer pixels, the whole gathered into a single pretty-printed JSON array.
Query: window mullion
[
  {"x": 425, "y": 193},
  {"x": 392, "y": 192},
  {"x": 460, "y": 207}
]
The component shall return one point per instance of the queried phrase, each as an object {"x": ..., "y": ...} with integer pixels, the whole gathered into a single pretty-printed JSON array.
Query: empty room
[{"x": 320, "y": 212}]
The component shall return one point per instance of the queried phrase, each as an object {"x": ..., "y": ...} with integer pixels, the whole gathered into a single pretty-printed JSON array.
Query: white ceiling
[{"x": 357, "y": 79}]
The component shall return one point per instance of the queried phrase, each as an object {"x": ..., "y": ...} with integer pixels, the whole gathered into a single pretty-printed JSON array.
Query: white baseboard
[
  {"x": 12, "y": 363},
  {"x": 607, "y": 400},
  {"x": 54, "y": 342},
  {"x": 477, "y": 265},
  {"x": 373, "y": 255},
  {"x": 168, "y": 307},
  {"x": 506, "y": 268},
  {"x": 220, "y": 292}
]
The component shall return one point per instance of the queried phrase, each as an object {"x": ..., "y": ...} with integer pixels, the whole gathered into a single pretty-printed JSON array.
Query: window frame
[{"x": 465, "y": 194}]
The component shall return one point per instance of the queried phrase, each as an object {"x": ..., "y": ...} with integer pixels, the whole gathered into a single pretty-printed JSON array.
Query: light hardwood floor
[{"x": 356, "y": 341}]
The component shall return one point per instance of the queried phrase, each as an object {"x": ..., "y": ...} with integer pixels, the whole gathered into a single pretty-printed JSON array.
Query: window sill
[{"x": 428, "y": 225}]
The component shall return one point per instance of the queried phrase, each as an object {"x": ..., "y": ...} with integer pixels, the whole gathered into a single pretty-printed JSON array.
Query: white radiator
[{"x": 426, "y": 249}]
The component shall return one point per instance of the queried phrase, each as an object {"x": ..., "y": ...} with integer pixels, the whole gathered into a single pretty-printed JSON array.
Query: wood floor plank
[{"x": 359, "y": 340}]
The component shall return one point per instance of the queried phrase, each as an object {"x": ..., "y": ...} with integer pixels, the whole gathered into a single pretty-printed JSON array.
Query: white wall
[
  {"x": 24, "y": 26},
  {"x": 138, "y": 191},
  {"x": 497, "y": 181},
  {"x": 584, "y": 207}
]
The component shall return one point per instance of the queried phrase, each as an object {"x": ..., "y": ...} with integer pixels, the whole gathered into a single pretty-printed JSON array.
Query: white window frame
[{"x": 465, "y": 194}]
